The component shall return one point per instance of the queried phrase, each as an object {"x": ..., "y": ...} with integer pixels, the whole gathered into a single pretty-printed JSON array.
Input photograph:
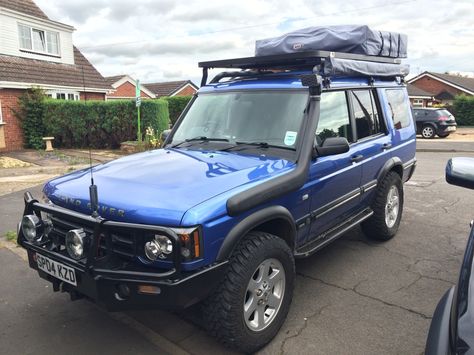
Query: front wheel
[
  {"x": 251, "y": 304},
  {"x": 387, "y": 207},
  {"x": 428, "y": 132}
]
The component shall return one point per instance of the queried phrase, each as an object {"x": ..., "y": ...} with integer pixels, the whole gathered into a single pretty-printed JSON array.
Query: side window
[
  {"x": 365, "y": 113},
  {"x": 334, "y": 118},
  {"x": 398, "y": 108}
]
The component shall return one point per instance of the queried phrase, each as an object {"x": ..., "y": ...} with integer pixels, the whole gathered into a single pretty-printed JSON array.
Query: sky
[{"x": 163, "y": 40}]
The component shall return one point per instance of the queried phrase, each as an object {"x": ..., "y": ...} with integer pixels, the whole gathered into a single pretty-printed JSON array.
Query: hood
[{"x": 158, "y": 187}]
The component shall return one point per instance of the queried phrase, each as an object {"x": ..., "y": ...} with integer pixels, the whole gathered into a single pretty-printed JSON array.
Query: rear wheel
[
  {"x": 387, "y": 207},
  {"x": 251, "y": 304},
  {"x": 428, "y": 132}
]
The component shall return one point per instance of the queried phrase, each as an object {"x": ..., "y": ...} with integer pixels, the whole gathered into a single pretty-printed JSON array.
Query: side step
[{"x": 332, "y": 234}]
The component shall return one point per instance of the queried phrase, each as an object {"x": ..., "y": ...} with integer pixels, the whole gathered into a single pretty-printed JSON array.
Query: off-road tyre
[
  {"x": 376, "y": 226},
  {"x": 223, "y": 311}
]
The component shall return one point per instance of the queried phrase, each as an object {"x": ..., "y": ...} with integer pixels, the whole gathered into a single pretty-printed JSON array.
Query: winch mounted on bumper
[{"x": 103, "y": 275}]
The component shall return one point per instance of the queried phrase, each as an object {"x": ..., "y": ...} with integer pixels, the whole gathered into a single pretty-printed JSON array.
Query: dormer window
[{"x": 39, "y": 41}]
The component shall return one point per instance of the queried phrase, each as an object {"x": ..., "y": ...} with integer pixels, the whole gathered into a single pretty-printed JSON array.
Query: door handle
[
  {"x": 357, "y": 158},
  {"x": 386, "y": 146}
]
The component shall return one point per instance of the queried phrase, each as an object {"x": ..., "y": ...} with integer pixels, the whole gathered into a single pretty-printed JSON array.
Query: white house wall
[{"x": 10, "y": 42}]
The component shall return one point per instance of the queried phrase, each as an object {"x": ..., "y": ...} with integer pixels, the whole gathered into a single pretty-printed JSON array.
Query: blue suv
[{"x": 266, "y": 164}]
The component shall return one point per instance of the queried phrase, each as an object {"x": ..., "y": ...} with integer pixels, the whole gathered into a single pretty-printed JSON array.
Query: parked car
[
  {"x": 434, "y": 121},
  {"x": 264, "y": 166},
  {"x": 451, "y": 330}
]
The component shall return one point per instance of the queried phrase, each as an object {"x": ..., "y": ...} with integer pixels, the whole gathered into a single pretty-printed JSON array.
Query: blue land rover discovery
[{"x": 268, "y": 163}]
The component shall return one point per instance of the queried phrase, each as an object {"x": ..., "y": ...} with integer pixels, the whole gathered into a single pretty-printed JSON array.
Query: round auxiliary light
[
  {"x": 165, "y": 244},
  {"x": 76, "y": 240},
  {"x": 29, "y": 226},
  {"x": 158, "y": 246}
]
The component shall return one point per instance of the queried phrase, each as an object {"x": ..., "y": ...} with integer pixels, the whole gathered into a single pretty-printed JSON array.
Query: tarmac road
[{"x": 355, "y": 296}]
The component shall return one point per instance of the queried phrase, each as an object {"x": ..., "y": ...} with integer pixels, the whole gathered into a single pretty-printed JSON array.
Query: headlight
[
  {"x": 31, "y": 227},
  {"x": 159, "y": 247},
  {"x": 190, "y": 242},
  {"x": 76, "y": 243}
]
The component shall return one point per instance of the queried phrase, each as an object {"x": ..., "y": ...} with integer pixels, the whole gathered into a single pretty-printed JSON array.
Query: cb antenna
[{"x": 93, "y": 194}]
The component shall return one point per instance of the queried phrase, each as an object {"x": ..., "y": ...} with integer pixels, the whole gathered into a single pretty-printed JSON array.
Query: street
[{"x": 355, "y": 296}]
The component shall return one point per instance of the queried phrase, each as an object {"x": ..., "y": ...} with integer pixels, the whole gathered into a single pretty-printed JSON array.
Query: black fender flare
[
  {"x": 252, "y": 221},
  {"x": 394, "y": 162}
]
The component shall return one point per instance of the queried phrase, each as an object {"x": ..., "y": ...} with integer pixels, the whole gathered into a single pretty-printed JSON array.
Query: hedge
[
  {"x": 101, "y": 124},
  {"x": 30, "y": 114},
  {"x": 464, "y": 110},
  {"x": 176, "y": 105}
]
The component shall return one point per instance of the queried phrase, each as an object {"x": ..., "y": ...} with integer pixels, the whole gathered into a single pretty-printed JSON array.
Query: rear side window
[
  {"x": 399, "y": 108},
  {"x": 334, "y": 117},
  {"x": 365, "y": 113}
]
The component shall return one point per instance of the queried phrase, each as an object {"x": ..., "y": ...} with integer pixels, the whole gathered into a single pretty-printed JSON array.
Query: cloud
[{"x": 164, "y": 39}]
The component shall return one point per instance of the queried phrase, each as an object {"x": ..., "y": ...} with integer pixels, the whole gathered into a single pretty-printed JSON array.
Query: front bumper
[
  {"x": 438, "y": 341},
  {"x": 105, "y": 279}
]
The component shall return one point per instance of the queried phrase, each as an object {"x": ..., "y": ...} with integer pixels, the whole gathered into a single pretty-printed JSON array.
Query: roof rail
[{"x": 291, "y": 61}]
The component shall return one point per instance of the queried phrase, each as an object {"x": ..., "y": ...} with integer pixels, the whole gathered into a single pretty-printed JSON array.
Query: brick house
[
  {"x": 124, "y": 88},
  {"x": 419, "y": 97},
  {"x": 443, "y": 87},
  {"x": 36, "y": 51},
  {"x": 173, "y": 88}
]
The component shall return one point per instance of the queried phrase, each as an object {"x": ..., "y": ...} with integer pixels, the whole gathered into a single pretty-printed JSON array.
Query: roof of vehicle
[
  {"x": 285, "y": 70},
  {"x": 289, "y": 80}
]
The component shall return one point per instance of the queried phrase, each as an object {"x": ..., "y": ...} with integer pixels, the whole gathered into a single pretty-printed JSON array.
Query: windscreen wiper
[
  {"x": 244, "y": 145},
  {"x": 200, "y": 138}
]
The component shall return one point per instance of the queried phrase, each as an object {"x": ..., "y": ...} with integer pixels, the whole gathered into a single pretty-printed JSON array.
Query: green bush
[
  {"x": 101, "y": 124},
  {"x": 176, "y": 105},
  {"x": 464, "y": 109},
  {"x": 30, "y": 114}
]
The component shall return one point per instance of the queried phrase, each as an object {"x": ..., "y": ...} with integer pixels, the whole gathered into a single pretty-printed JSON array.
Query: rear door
[
  {"x": 334, "y": 180},
  {"x": 373, "y": 143}
]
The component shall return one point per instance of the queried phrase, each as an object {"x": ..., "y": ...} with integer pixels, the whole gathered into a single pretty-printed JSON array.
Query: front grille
[{"x": 120, "y": 243}]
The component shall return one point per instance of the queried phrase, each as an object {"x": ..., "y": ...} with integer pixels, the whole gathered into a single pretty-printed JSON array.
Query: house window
[
  {"x": 417, "y": 102},
  {"x": 59, "y": 95},
  {"x": 33, "y": 39}
]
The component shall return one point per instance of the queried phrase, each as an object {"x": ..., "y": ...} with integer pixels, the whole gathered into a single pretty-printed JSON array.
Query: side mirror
[
  {"x": 165, "y": 134},
  {"x": 460, "y": 172},
  {"x": 332, "y": 146}
]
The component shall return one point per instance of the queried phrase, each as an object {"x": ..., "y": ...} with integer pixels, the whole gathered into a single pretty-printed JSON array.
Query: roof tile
[
  {"x": 24, "y": 6},
  {"x": 24, "y": 70}
]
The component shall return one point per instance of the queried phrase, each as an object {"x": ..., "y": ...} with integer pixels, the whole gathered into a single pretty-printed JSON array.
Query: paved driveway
[{"x": 354, "y": 296}]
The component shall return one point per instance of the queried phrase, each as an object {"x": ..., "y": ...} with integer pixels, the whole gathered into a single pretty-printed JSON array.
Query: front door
[{"x": 335, "y": 180}]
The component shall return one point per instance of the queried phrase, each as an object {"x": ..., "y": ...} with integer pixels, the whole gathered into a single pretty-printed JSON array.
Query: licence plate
[
  {"x": 58, "y": 270},
  {"x": 451, "y": 128}
]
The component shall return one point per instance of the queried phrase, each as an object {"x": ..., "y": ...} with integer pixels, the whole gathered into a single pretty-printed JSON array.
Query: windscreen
[{"x": 271, "y": 117}]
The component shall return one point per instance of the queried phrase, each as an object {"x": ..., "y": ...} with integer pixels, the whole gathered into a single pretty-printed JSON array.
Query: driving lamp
[
  {"x": 158, "y": 246},
  {"x": 31, "y": 227},
  {"x": 76, "y": 243}
]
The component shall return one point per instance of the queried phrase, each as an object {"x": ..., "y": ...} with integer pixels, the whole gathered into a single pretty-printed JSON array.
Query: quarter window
[
  {"x": 366, "y": 115},
  {"x": 399, "y": 108},
  {"x": 334, "y": 117},
  {"x": 36, "y": 40}
]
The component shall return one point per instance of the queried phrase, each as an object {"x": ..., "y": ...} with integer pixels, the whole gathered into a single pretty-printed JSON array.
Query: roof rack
[{"x": 300, "y": 60}]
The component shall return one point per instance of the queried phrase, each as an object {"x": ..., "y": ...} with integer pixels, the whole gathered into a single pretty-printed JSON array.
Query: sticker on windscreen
[{"x": 290, "y": 137}]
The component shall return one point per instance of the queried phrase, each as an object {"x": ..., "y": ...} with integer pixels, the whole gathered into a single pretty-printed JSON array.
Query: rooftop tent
[{"x": 347, "y": 39}]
